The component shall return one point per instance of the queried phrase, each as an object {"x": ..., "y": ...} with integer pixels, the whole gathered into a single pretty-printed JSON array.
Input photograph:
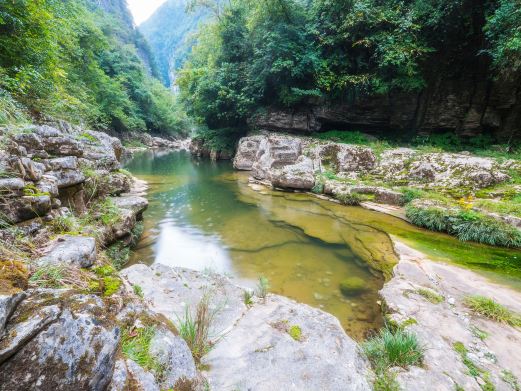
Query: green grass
[
  {"x": 430, "y": 295},
  {"x": 248, "y": 295},
  {"x": 466, "y": 226},
  {"x": 49, "y": 276},
  {"x": 345, "y": 137},
  {"x": 107, "y": 212},
  {"x": 88, "y": 137},
  {"x": 489, "y": 308},
  {"x": 133, "y": 144},
  {"x": 393, "y": 348},
  {"x": 511, "y": 379},
  {"x": 135, "y": 346},
  {"x": 263, "y": 287},
  {"x": 138, "y": 290},
  {"x": 510, "y": 207},
  {"x": 351, "y": 198},
  {"x": 195, "y": 330},
  {"x": 473, "y": 369},
  {"x": 410, "y": 194}
]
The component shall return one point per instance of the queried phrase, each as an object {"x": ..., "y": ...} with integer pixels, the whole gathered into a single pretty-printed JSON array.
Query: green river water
[{"x": 204, "y": 215}]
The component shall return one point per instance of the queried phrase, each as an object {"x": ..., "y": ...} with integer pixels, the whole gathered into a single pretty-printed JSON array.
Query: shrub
[
  {"x": 435, "y": 219},
  {"x": 466, "y": 225},
  {"x": 490, "y": 309},
  {"x": 389, "y": 349},
  {"x": 483, "y": 229},
  {"x": 410, "y": 194},
  {"x": 351, "y": 199}
]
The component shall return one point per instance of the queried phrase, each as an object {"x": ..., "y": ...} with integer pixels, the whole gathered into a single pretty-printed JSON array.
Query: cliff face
[
  {"x": 168, "y": 31},
  {"x": 467, "y": 107}
]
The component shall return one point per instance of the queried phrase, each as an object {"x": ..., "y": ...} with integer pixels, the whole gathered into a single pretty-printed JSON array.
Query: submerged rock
[{"x": 353, "y": 286}]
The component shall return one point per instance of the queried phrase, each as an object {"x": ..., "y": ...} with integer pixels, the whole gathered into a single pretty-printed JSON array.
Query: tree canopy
[
  {"x": 288, "y": 53},
  {"x": 72, "y": 60}
]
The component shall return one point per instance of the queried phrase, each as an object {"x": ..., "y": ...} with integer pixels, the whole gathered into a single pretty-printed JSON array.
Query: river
[{"x": 204, "y": 215}]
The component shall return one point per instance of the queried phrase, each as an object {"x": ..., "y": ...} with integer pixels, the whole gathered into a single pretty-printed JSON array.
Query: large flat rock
[
  {"x": 253, "y": 348},
  {"x": 439, "y": 326}
]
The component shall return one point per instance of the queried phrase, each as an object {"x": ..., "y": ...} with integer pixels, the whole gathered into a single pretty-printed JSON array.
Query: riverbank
[{"x": 69, "y": 319}]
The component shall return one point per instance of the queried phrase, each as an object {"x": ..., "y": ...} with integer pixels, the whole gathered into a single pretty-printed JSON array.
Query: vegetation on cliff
[
  {"x": 289, "y": 53},
  {"x": 82, "y": 62}
]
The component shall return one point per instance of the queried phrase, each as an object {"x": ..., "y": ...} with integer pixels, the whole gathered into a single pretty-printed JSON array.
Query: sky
[{"x": 143, "y": 9}]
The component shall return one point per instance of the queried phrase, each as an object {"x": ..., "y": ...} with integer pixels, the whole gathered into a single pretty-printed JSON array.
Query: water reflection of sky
[{"x": 188, "y": 247}]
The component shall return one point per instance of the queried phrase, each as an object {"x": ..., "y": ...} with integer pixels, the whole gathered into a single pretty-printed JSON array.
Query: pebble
[{"x": 451, "y": 301}]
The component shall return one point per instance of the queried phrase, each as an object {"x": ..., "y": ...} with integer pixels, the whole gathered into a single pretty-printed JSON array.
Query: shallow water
[{"x": 203, "y": 215}]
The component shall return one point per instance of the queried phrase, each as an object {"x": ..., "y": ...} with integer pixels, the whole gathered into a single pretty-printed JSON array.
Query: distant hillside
[{"x": 167, "y": 31}]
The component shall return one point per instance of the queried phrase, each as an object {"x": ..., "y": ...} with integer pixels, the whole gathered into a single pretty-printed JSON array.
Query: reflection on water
[{"x": 204, "y": 215}]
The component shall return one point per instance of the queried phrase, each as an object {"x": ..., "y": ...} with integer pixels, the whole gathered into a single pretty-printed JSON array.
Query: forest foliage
[
  {"x": 73, "y": 60},
  {"x": 285, "y": 53}
]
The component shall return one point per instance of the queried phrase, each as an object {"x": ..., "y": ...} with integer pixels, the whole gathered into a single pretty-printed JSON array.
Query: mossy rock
[
  {"x": 13, "y": 277},
  {"x": 353, "y": 286}
]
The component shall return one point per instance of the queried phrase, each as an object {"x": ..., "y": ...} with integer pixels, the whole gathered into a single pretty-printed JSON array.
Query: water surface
[{"x": 204, "y": 215}]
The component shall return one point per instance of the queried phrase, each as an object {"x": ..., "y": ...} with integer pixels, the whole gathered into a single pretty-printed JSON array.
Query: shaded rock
[
  {"x": 24, "y": 208},
  {"x": 61, "y": 163},
  {"x": 8, "y": 304},
  {"x": 142, "y": 380},
  {"x": 29, "y": 169},
  {"x": 19, "y": 332},
  {"x": 85, "y": 355},
  {"x": 72, "y": 250},
  {"x": 48, "y": 184},
  {"x": 67, "y": 178},
  {"x": 119, "y": 380}
]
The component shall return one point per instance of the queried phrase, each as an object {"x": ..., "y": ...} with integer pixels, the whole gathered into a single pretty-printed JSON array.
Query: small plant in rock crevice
[
  {"x": 473, "y": 370},
  {"x": 195, "y": 330},
  {"x": 392, "y": 348},
  {"x": 248, "y": 297},
  {"x": 430, "y": 295},
  {"x": 263, "y": 287},
  {"x": 135, "y": 346}
]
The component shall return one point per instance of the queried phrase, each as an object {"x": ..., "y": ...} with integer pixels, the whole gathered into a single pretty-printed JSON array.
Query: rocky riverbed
[{"x": 70, "y": 320}]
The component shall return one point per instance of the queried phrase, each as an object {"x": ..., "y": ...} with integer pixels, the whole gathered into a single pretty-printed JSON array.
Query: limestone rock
[
  {"x": 78, "y": 251},
  {"x": 24, "y": 208},
  {"x": 174, "y": 356},
  {"x": 247, "y": 152},
  {"x": 8, "y": 304},
  {"x": 253, "y": 348},
  {"x": 259, "y": 354},
  {"x": 67, "y": 178},
  {"x": 76, "y": 351},
  {"x": 61, "y": 163},
  {"x": 11, "y": 184},
  {"x": 295, "y": 176}
]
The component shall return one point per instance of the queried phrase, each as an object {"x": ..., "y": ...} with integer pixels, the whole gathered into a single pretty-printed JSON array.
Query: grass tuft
[
  {"x": 263, "y": 287},
  {"x": 135, "y": 345},
  {"x": 196, "y": 331},
  {"x": 351, "y": 199},
  {"x": 430, "y": 295},
  {"x": 489, "y": 308},
  {"x": 390, "y": 349}
]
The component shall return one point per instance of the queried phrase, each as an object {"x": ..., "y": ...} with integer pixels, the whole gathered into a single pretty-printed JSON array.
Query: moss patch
[
  {"x": 295, "y": 332},
  {"x": 13, "y": 277}
]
